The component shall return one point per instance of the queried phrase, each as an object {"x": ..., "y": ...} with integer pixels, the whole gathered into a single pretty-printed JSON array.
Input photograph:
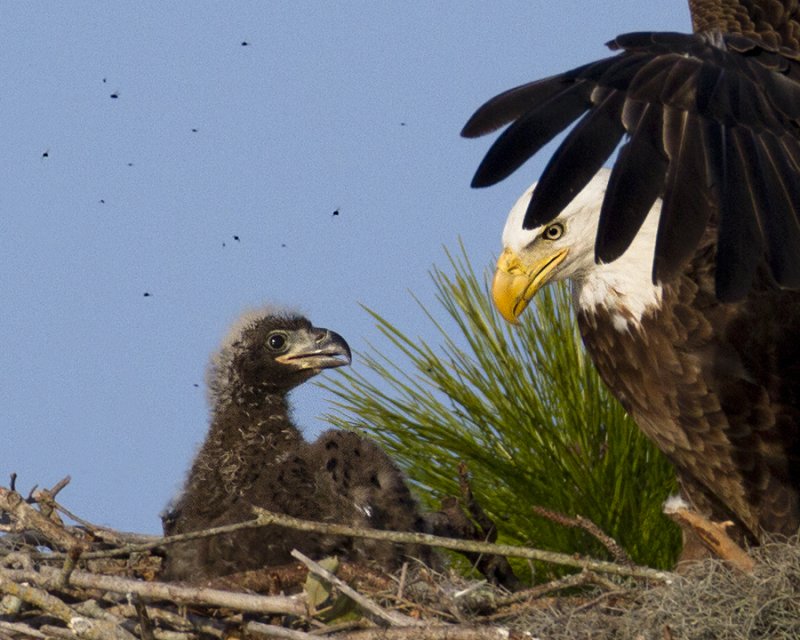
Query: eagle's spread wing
[{"x": 709, "y": 121}]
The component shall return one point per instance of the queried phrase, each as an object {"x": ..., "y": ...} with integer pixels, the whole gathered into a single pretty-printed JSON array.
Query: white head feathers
[{"x": 623, "y": 286}]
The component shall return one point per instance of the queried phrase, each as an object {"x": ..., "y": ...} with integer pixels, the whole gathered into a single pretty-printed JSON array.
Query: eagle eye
[
  {"x": 553, "y": 231},
  {"x": 276, "y": 341}
]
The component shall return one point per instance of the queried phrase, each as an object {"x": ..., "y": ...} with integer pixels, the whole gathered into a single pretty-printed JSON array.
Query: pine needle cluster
[{"x": 523, "y": 407}]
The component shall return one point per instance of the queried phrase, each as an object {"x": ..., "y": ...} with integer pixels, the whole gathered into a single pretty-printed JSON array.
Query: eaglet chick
[{"x": 255, "y": 455}]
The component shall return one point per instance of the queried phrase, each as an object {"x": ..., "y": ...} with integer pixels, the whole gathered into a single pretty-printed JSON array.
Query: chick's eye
[
  {"x": 553, "y": 231},
  {"x": 276, "y": 341}
]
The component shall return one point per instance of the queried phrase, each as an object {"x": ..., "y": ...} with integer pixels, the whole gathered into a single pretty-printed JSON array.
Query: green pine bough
[{"x": 523, "y": 407}]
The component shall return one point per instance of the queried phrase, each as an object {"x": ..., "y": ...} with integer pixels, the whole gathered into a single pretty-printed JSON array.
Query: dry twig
[
  {"x": 601, "y": 566},
  {"x": 82, "y": 626},
  {"x": 619, "y": 554},
  {"x": 265, "y": 517},
  {"x": 48, "y": 577},
  {"x": 369, "y": 607},
  {"x": 27, "y": 517},
  {"x": 438, "y": 632}
]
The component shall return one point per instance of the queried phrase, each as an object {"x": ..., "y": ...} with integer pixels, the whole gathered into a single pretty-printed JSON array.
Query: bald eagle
[{"x": 684, "y": 258}]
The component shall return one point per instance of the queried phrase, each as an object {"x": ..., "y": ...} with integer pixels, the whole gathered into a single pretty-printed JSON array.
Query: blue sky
[{"x": 348, "y": 106}]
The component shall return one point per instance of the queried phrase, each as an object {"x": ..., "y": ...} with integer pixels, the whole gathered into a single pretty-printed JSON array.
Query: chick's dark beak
[
  {"x": 334, "y": 346},
  {"x": 318, "y": 349}
]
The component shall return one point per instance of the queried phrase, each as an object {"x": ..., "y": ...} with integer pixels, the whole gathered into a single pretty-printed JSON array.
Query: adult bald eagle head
[
  {"x": 685, "y": 257},
  {"x": 563, "y": 249}
]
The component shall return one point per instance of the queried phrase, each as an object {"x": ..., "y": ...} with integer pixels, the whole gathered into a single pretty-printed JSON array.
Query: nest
[{"x": 83, "y": 581}]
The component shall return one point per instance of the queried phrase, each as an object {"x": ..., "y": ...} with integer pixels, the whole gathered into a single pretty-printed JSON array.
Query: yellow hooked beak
[{"x": 516, "y": 282}]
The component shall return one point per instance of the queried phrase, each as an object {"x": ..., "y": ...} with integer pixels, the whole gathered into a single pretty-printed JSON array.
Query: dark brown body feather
[
  {"x": 717, "y": 387},
  {"x": 340, "y": 478}
]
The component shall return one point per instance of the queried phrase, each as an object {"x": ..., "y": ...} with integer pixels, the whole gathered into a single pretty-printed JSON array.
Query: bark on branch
[
  {"x": 601, "y": 566},
  {"x": 48, "y": 578}
]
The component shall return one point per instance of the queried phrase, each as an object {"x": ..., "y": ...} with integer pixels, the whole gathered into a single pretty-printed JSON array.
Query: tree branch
[
  {"x": 48, "y": 577},
  {"x": 601, "y": 566},
  {"x": 29, "y": 518},
  {"x": 81, "y": 626},
  {"x": 265, "y": 518},
  {"x": 620, "y": 555},
  {"x": 386, "y": 617},
  {"x": 436, "y": 632}
]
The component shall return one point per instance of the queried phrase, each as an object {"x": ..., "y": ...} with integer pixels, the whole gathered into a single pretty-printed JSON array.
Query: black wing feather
[
  {"x": 777, "y": 191},
  {"x": 577, "y": 160},
  {"x": 636, "y": 181},
  {"x": 510, "y": 105},
  {"x": 687, "y": 206},
  {"x": 531, "y": 132},
  {"x": 728, "y": 151},
  {"x": 739, "y": 246}
]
